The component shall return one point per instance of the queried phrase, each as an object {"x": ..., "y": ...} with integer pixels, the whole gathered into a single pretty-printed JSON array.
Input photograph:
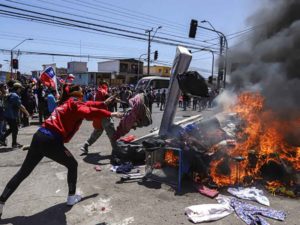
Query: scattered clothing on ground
[
  {"x": 125, "y": 168},
  {"x": 251, "y": 214},
  {"x": 208, "y": 212},
  {"x": 207, "y": 191},
  {"x": 250, "y": 194}
]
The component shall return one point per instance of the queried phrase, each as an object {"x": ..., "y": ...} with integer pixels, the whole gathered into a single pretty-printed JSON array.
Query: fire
[
  {"x": 171, "y": 159},
  {"x": 260, "y": 140}
]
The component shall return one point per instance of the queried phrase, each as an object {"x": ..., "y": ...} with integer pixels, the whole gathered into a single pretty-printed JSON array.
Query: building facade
[
  {"x": 163, "y": 71},
  {"x": 80, "y": 71},
  {"x": 123, "y": 71}
]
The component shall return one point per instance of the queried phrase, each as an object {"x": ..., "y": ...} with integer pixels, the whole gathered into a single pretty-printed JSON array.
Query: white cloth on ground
[
  {"x": 250, "y": 194},
  {"x": 209, "y": 212}
]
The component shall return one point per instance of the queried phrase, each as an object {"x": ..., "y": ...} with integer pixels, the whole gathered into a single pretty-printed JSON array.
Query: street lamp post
[
  {"x": 11, "y": 54},
  {"x": 138, "y": 77},
  {"x": 221, "y": 35},
  {"x": 149, "y": 46},
  {"x": 213, "y": 59}
]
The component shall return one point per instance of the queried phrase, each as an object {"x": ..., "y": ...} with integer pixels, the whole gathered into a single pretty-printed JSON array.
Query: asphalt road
[{"x": 40, "y": 199}]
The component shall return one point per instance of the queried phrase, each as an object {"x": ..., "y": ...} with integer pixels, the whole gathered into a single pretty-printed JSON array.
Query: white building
[
  {"x": 77, "y": 67},
  {"x": 123, "y": 71},
  {"x": 80, "y": 71}
]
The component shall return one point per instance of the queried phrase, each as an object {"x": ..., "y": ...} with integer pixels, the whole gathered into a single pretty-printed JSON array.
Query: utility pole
[
  {"x": 138, "y": 77},
  {"x": 223, "y": 41},
  {"x": 11, "y": 66},
  {"x": 220, "y": 67},
  {"x": 11, "y": 55},
  {"x": 149, "y": 50},
  {"x": 149, "y": 46}
]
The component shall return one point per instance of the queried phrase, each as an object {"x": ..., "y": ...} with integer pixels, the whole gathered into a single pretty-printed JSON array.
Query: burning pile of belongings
[{"x": 241, "y": 147}]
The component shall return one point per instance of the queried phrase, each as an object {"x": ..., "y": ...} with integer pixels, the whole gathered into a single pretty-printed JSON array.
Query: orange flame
[
  {"x": 263, "y": 135},
  {"x": 171, "y": 159}
]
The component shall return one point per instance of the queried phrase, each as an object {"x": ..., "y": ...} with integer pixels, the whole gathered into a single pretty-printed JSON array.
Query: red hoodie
[
  {"x": 101, "y": 95},
  {"x": 67, "y": 118}
]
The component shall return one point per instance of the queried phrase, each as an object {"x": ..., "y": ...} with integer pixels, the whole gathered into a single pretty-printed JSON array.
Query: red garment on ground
[
  {"x": 101, "y": 95},
  {"x": 207, "y": 191},
  {"x": 67, "y": 118},
  {"x": 128, "y": 138}
]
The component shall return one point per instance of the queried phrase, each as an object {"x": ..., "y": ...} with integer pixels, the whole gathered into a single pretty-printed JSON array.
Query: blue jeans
[{"x": 108, "y": 126}]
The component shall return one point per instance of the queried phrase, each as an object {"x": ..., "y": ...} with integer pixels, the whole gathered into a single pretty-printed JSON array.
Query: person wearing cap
[
  {"x": 99, "y": 125},
  {"x": 58, "y": 129},
  {"x": 11, "y": 114}
]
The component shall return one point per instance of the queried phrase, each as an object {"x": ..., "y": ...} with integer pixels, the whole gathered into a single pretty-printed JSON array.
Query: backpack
[
  {"x": 192, "y": 83},
  {"x": 147, "y": 119},
  {"x": 6, "y": 101}
]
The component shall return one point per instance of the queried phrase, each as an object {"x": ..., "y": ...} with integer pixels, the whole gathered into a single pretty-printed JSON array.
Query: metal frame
[{"x": 181, "y": 64}]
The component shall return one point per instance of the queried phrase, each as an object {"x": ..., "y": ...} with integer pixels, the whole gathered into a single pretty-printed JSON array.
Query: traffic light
[
  {"x": 155, "y": 55},
  {"x": 15, "y": 64},
  {"x": 193, "y": 28}
]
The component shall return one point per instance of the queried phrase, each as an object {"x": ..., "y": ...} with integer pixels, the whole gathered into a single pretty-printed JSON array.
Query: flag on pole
[
  {"x": 48, "y": 78},
  {"x": 61, "y": 80}
]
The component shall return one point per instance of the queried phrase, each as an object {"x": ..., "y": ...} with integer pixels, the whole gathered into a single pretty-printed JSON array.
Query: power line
[
  {"x": 55, "y": 19},
  {"x": 60, "y": 41},
  {"x": 64, "y": 55},
  {"x": 90, "y": 18},
  {"x": 118, "y": 12},
  {"x": 86, "y": 17},
  {"x": 146, "y": 15}
]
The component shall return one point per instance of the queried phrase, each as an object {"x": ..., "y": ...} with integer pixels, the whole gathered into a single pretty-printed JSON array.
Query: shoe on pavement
[
  {"x": 85, "y": 148},
  {"x": 1, "y": 209},
  {"x": 3, "y": 142},
  {"x": 17, "y": 145},
  {"x": 73, "y": 199}
]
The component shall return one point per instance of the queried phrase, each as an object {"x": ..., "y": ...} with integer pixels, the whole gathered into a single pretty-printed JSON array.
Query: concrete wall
[
  {"x": 159, "y": 70},
  {"x": 81, "y": 79},
  {"x": 109, "y": 66},
  {"x": 77, "y": 67}
]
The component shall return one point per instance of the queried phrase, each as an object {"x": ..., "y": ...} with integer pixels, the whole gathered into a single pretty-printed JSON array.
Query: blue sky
[{"x": 227, "y": 16}]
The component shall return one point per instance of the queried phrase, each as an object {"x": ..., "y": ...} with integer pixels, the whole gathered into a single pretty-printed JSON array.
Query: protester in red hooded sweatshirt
[
  {"x": 49, "y": 140},
  {"x": 104, "y": 123}
]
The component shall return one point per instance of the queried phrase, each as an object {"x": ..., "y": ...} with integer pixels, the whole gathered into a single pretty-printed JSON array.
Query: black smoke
[{"x": 270, "y": 62}]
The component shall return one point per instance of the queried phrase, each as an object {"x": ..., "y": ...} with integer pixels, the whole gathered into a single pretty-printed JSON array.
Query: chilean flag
[
  {"x": 62, "y": 81},
  {"x": 48, "y": 78}
]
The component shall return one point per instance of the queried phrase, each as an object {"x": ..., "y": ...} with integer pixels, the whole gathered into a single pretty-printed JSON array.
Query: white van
[{"x": 154, "y": 82}]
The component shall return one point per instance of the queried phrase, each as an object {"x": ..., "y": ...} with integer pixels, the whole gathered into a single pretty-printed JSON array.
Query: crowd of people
[
  {"x": 60, "y": 113},
  {"x": 58, "y": 128},
  {"x": 20, "y": 100}
]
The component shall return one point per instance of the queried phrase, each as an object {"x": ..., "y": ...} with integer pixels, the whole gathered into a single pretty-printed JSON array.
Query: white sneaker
[
  {"x": 1, "y": 209},
  {"x": 85, "y": 148},
  {"x": 73, "y": 199}
]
